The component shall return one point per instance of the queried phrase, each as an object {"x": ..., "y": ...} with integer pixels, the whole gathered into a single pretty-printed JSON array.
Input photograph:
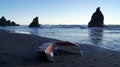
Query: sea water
[{"x": 106, "y": 37}]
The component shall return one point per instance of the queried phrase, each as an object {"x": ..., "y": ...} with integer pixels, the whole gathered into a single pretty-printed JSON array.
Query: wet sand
[{"x": 19, "y": 50}]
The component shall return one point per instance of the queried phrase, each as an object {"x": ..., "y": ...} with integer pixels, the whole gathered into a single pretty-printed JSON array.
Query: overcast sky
[{"x": 59, "y": 11}]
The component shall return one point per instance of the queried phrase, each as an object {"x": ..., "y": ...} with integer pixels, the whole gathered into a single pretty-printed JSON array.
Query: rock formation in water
[
  {"x": 97, "y": 19},
  {"x": 35, "y": 23},
  {"x": 4, "y": 22}
]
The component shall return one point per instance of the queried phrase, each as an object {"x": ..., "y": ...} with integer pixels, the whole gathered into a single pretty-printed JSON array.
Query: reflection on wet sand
[{"x": 96, "y": 36}]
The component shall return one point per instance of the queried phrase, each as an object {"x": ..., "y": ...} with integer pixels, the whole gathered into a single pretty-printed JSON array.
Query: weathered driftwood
[
  {"x": 46, "y": 51},
  {"x": 68, "y": 47}
]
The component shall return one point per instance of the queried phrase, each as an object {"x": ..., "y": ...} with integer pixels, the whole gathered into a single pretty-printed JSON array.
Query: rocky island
[
  {"x": 35, "y": 23},
  {"x": 4, "y": 22},
  {"x": 97, "y": 19}
]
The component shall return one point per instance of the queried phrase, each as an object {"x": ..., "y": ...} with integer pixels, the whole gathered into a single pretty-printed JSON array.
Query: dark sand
[{"x": 19, "y": 50}]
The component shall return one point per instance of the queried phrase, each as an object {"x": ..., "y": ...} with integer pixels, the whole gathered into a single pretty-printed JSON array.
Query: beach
[{"x": 19, "y": 50}]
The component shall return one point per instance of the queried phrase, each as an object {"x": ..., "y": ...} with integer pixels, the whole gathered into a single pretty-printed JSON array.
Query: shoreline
[{"x": 18, "y": 50}]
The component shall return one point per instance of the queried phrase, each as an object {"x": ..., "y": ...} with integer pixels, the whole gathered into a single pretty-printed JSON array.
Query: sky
[{"x": 59, "y": 11}]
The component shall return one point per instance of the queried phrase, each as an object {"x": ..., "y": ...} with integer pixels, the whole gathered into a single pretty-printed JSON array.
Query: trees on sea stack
[
  {"x": 97, "y": 19},
  {"x": 4, "y": 22},
  {"x": 34, "y": 23}
]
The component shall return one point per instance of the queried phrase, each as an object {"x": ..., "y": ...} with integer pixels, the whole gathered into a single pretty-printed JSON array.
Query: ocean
[{"x": 107, "y": 37}]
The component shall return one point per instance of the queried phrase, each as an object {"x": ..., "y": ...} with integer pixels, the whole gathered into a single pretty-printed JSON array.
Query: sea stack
[
  {"x": 97, "y": 19},
  {"x": 4, "y": 22},
  {"x": 35, "y": 23}
]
